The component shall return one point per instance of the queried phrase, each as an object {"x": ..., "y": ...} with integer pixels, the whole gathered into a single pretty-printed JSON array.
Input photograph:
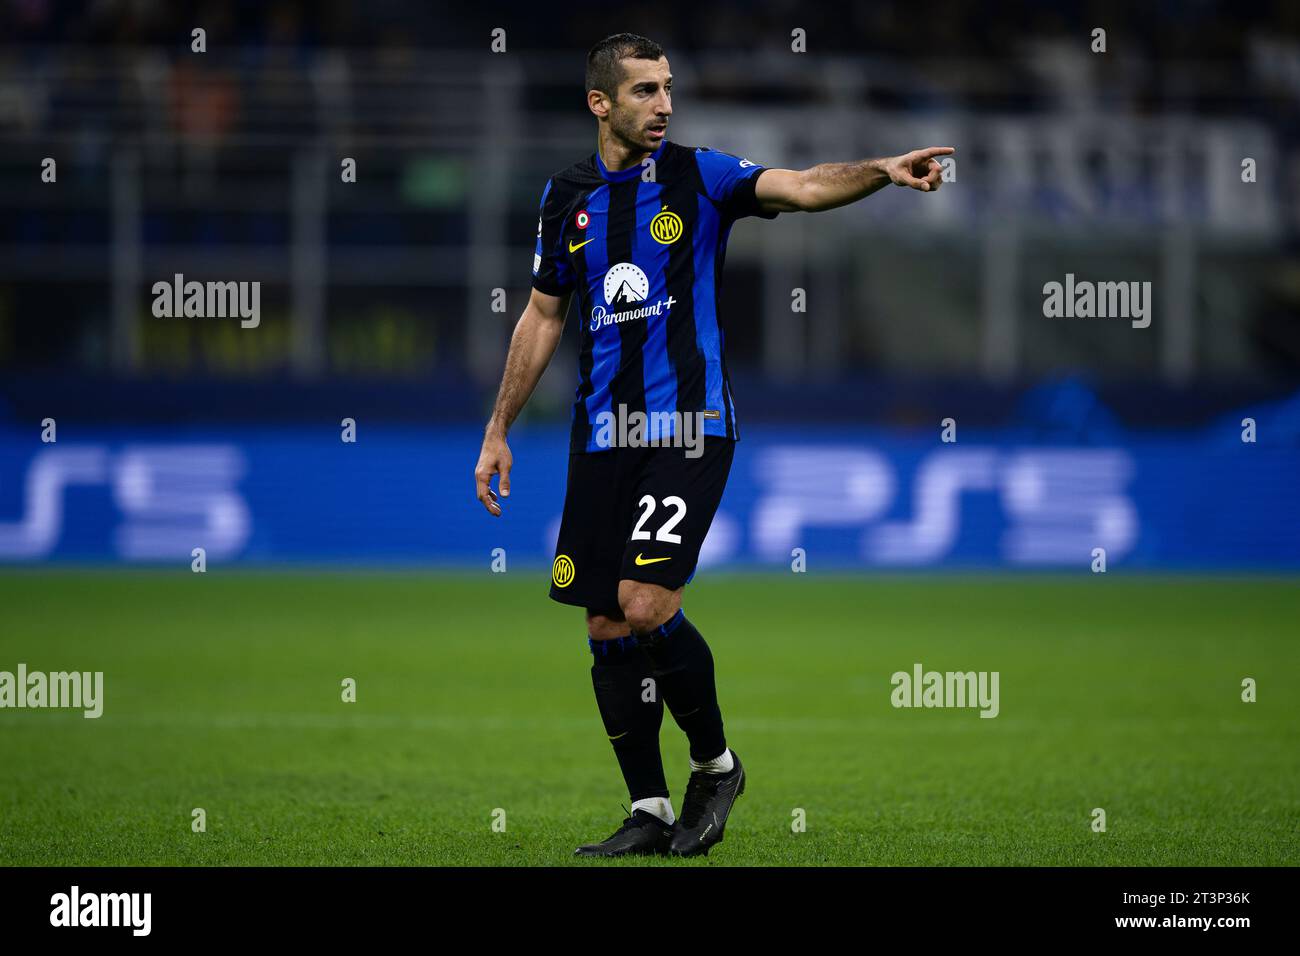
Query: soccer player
[{"x": 638, "y": 230}]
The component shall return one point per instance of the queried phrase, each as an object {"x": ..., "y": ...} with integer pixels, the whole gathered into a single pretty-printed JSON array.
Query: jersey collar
[{"x": 632, "y": 172}]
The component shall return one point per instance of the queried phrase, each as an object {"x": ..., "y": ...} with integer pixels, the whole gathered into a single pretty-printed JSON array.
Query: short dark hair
[{"x": 605, "y": 72}]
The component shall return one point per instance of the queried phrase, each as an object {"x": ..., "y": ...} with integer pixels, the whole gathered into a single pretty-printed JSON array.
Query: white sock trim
[
  {"x": 659, "y": 806},
  {"x": 723, "y": 763}
]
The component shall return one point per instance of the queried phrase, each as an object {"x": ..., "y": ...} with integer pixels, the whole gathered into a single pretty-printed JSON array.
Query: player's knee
[{"x": 646, "y": 606}]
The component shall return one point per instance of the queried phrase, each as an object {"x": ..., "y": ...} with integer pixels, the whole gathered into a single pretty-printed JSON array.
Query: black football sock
[
  {"x": 684, "y": 672},
  {"x": 631, "y": 711}
]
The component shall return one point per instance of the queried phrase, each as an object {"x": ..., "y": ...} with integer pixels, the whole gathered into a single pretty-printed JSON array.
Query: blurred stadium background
[
  {"x": 377, "y": 305},
  {"x": 377, "y": 296}
]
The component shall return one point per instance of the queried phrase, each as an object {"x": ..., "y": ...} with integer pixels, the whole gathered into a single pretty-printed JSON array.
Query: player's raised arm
[
  {"x": 829, "y": 185},
  {"x": 534, "y": 341}
]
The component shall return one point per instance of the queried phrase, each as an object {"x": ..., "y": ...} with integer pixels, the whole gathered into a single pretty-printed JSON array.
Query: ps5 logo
[
  {"x": 171, "y": 498},
  {"x": 1057, "y": 504}
]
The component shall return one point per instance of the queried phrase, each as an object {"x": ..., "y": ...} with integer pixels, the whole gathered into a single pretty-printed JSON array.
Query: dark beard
[{"x": 632, "y": 135}]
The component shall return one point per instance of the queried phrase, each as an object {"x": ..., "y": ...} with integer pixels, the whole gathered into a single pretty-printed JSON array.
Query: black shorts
[{"x": 639, "y": 514}]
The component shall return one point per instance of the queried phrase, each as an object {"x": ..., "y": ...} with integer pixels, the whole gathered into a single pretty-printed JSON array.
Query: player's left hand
[
  {"x": 494, "y": 459},
  {"x": 918, "y": 169}
]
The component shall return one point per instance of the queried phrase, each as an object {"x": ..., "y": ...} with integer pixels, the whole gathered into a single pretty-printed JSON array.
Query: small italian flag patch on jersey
[{"x": 581, "y": 219}]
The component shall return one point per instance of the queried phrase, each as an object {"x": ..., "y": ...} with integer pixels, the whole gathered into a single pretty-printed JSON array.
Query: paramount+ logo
[{"x": 626, "y": 287}]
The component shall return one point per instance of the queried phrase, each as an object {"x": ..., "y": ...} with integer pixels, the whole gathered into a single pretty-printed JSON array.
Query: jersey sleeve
[
  {"x": 552, "y": 273},
  {"x": 729, "y": 181}
]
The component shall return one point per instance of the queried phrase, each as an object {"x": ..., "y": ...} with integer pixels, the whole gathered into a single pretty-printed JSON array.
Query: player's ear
[{"x": 598, "y": 103}]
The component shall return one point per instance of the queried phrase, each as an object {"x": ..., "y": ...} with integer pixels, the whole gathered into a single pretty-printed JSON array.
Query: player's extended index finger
[{"x": 935, "y": 151}]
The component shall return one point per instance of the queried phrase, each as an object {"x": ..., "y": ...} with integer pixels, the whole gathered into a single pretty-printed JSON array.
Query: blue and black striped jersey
[{"x": 644, "y": 248}]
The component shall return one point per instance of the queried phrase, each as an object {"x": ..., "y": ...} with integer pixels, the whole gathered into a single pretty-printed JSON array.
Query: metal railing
[{"x": 148, "y": 135}]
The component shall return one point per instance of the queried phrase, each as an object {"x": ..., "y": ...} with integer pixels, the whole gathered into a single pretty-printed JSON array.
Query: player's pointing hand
[
  {"x": 494, "y": 459},
  {"x": 918, "y": 169}
]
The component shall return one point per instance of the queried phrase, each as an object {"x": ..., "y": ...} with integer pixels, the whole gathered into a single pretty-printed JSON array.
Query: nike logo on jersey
[
  {"x": 642, "y": 561},
  {"x": 575, "y": 246}
]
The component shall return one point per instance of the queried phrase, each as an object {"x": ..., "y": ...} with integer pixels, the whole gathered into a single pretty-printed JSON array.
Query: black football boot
[
  {"x": 642, "y": 833},
  {"x": 708, "y": 801}
]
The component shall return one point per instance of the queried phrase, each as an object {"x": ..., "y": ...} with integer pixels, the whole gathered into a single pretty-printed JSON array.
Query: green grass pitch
[{"x": 223, "y": 692}]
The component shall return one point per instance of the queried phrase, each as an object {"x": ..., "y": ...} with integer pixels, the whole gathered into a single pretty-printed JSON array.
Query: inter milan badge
[
  {"x": 562, "y": 571},
  {"x": 582, "y": 219},
  {"x": 666, "y": 227}
]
